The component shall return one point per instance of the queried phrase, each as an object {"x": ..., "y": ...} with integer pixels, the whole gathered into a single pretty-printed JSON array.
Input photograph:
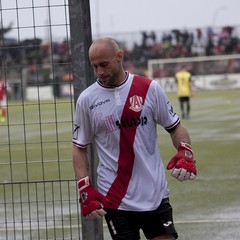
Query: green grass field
[
  {"x": 35, "y": 145},
  {"x": 208, "y": 208}
]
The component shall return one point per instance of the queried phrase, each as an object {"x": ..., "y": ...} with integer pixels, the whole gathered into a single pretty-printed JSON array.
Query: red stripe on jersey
[{"x": 126, "y": 158}]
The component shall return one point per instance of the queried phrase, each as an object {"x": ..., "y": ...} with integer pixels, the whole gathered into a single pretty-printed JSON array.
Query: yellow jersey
[{"x": 183, "y": 79}]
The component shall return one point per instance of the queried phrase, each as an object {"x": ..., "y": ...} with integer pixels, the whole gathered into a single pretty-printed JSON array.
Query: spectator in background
[
  {"x": 3, "y": 100},
  {"x": 184, "y": 86}
]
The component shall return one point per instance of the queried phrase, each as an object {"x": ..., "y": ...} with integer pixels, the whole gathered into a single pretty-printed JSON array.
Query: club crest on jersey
[{"x": 136, "y": 103}]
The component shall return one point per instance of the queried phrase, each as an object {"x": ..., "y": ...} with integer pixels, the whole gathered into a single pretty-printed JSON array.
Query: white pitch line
[
  {"x": 105, "y": 225},
  {"x": 209, "y": 221}
]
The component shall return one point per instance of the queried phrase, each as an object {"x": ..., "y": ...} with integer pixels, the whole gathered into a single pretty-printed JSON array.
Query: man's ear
[{"x": 119, "y": 56}]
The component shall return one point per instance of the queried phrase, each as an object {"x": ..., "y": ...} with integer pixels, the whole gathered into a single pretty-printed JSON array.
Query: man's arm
[
  {"x": 92, "y": 201},
  {"x": 80, "y": 162},
  {"x": 183, "y": 163},
  {"x": 180, "y": 134}
]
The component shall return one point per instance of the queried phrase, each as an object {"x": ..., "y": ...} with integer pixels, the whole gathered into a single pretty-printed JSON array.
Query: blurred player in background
[
  {"x": 3, "y": 100},
  {"x": 120, "y": 112},
  {"x": 184, "y": 86}
]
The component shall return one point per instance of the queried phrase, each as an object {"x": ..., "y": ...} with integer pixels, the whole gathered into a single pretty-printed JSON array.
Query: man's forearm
[
  {"x": 80, "y": 162},
  {"x": 180, "y": 134}
]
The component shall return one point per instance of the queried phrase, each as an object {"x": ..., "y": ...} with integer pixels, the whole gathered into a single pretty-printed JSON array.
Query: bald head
[
  {"x": 106, "y": 59},
  {"x": 105, "y": 45}
]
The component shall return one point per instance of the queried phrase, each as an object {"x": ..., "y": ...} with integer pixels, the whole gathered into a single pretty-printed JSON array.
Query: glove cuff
[
  {"x": 188, "y": 152},
  {"x": 83, "y": 183},
  {"x": 186, "y": 146}
]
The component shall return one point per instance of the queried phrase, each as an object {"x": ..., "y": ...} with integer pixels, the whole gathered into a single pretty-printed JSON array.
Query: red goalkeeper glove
[
  {"x": 183, "y": 164},
  {"x": 92, "y": 201}
]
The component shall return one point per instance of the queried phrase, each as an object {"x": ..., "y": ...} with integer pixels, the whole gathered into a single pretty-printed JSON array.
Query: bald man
[{"x": 120, "y": 113}]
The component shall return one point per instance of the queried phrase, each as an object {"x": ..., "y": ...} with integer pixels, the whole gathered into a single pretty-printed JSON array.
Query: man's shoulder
[
  {"x": 182, "y": 73},
  {"x": 90, "y": 88},
  {"x": 88, "y": 92},
  {"x": 142, "y": 79}
]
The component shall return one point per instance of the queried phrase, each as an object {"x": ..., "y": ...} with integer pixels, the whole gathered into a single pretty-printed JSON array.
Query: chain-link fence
[
  {"x": 38, "y": 197},
  {"x": 39, "y": 210}
]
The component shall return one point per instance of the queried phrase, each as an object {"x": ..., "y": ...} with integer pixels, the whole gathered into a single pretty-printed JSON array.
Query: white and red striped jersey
[{"x": 123, "y": 122}]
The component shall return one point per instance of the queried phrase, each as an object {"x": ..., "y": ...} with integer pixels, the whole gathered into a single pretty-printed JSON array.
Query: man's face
[{"x": 107, "y": 65}]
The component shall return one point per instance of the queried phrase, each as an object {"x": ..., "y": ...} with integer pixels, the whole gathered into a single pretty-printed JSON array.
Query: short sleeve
[
  {"x": 82, "y": 131},
  {"x": 164, "y": 112}
]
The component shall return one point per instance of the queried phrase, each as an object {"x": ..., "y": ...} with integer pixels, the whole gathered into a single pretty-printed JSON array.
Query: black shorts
[
  {"x": 184, "y": 99},
  {"x": 127, "y": 224}
]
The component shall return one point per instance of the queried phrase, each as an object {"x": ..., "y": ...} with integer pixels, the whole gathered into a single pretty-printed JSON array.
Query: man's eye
[{"x": 104, "y": 64}]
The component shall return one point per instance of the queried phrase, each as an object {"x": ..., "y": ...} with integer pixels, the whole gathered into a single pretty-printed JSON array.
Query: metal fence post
[{"x": 83, "y": 76}]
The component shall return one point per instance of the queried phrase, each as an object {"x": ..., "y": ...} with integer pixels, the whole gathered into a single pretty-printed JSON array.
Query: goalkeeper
[
  {"x": 184, "y": 86},
  {"x": 120, "y": 112}
]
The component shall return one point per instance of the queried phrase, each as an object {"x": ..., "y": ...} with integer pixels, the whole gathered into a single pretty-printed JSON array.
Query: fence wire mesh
[
  {"x": 38, "y": 196},
  {"x": 39, "y": 210},
  {"x": 38, "y": 199}
]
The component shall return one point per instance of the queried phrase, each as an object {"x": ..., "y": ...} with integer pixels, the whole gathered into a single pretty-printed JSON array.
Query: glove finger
[
  {"x": 192, "y": 169},
  {"x": 182, "y": 174},
  {"x": 187, "y": 176},
  {"x": 171, "y": 164},
  {"x": 192, "y": 176},
  {"x": 101, "y": 212},
  {"x": 175, "y": 172},
  {"x": 98, "y": 213},
  {"x": 102, "y": 199},
  {"x": 90, "y": 207},
  {"x": 189, "y": 166}
]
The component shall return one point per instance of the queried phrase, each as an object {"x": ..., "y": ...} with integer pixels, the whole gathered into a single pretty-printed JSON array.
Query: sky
[
  {"x": 114, "y": 16},
  {"x": 138, "y": 15}
]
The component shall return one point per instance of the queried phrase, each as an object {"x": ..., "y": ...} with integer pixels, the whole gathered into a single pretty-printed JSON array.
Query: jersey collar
[{"x": 126, "y": 77}]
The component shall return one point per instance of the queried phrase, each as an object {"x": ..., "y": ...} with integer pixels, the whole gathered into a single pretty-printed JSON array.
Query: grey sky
[
  {"x": 135, "y": 15},
  {"x": 114, "y": 16}
]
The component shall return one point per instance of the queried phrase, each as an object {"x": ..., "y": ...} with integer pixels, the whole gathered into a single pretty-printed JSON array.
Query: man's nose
[{"x": 99, "y": 71}]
